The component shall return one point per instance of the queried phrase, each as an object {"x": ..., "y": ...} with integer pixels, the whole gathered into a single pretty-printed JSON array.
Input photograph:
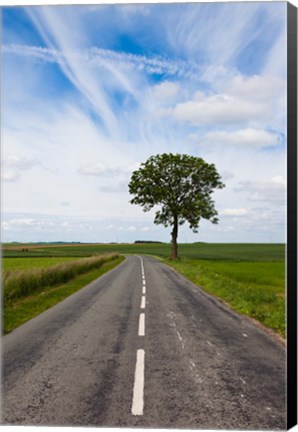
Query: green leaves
[{"x": 181, "y": 184}]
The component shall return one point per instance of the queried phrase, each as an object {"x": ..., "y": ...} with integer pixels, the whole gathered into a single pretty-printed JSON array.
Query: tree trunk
[{"x": 174, "y": 239}]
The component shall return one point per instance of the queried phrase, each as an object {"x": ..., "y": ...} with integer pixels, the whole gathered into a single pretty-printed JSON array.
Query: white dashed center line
[
  {"x": 137, "y": 407},
  {"x": 138, "y": 389},
  {"x": 142, "y": 325},
  {"x": 143, "y": 302}
]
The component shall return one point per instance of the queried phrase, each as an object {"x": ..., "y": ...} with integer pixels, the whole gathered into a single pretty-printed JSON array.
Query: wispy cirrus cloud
[
  {"x": 61, "y": 39},
  {"x": 39, "y": 53},
  {"x": 223, "y": 34},
  {"x": 99, "y": 57},
  {"x": 130, "y": 103},
  {"x": 152, "y": 65}
]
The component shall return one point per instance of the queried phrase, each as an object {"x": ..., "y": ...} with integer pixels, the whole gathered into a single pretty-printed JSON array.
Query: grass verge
[
  {"x": 19, "y": 264},
  {"x": 256, "y": 289},
  {"x": 17, "y": 284},
  {"x": 17, "y": 311}
]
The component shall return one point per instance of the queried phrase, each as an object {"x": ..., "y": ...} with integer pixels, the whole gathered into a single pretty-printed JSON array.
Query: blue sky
[{"x": 90, "y": 92}]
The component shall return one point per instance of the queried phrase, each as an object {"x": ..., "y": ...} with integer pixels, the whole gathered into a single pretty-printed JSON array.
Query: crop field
[
  {"x": 250, "y": 278},
  {"x": 213, "y": 251}
]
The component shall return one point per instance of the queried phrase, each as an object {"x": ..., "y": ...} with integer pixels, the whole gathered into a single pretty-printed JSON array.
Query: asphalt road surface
[{"x": 142, "y": 346}]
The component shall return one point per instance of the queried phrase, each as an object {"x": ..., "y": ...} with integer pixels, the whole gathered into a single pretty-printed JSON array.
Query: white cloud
[
  {"x": 22, "y": 222},
  {"x": 32, "y": 226},
  {"x": 96, "y": 170},
  {"x": 257, "y": 87},
  {"x": 259, "y": 100},
  {"x": 114, "y": 187},
  {"x": 165, "y": 90},
  {"x": 64, "y": 137},
  {"x": 279, "y": 181},
  {"x": 272, "y": 190},
  {"x": 220, "y": 109},
  {"x": 116, "y": 177},
  {"x": 226, "y": 175},
  {"x": 234, "y": 212},
  {"x": 129, "y": 10},
  {"x": 276, "y": 63},
  {"x": 13, "y": 166},
  {"x": 243, "y": 137},
  {"x": 101, "y": 170}
]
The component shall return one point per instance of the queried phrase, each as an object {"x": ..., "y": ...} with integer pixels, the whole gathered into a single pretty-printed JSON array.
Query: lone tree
[{"x": 181, "y": 185}]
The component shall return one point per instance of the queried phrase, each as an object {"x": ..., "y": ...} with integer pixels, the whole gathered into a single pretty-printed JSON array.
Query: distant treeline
[
  {"x": 45, "y": 243},
  {"x": 148, "y": 241}
]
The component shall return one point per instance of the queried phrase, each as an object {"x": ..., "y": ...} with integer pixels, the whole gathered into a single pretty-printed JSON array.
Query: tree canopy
[{"x": 181, "y": 185}]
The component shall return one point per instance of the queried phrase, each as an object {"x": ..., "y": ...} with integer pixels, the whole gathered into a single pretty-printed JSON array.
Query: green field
[
  {"x": 250, "y": 278},
  {"x": 213, "y": 251}
]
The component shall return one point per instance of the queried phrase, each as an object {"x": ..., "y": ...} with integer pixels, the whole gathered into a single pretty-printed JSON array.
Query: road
[{"x": 143, "y": 347}]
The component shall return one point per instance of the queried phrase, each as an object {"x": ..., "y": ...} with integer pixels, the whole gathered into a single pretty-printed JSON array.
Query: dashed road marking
[
  {"x": 141, "y": 325},
  {"x": 137, "y": 407}
]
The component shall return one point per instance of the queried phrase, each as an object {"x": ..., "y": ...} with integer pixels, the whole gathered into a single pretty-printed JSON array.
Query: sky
[{"x": 90, "y": 92}]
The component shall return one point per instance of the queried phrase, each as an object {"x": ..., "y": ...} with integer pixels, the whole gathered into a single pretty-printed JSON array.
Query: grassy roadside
[
  {"x": 17, "y": 311},
  {"x": 15, "y": 264},
  {"x": 256, "y": 289},
  {"x": 21, "y": 283}
]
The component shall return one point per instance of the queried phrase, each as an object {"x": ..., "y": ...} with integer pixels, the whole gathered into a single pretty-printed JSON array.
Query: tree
[{"x": 181, "y": 185}]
